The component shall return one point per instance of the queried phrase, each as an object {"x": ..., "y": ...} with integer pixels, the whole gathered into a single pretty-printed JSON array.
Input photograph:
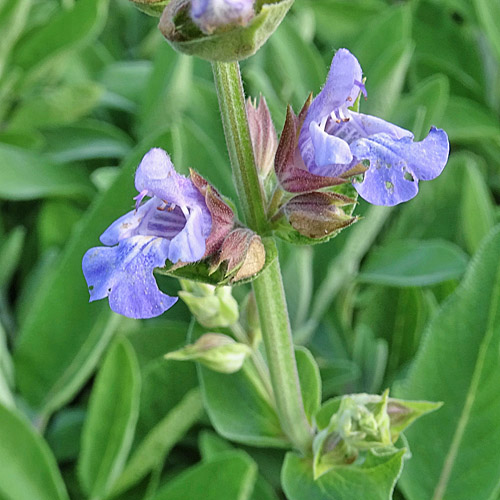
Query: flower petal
[
  {"x": 124, "y": 273},
  {"x": 332, "y": 155},
  {"x": 189, "y": 244},
  {"x": 156, "y": 175},
  {"x": 342, "y": 86},
  {"x": 360, "y": 125},
  {"x": 396, "y": 165}
]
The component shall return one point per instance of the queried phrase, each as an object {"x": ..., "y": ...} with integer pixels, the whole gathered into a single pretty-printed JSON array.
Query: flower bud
[
  {"x": 318, "y": 215},
  {"x": 151, "y": 7},
  {"x": 210, "y": 15},
  {"x": 221, "y": 30},
  {"x": 216, "y": 351},
  {"x": 360, "y": 423},
  {"x": 244, "y": 253},
  {"x": 263, "y": 134},
  {"x": 213, "y": 307}
]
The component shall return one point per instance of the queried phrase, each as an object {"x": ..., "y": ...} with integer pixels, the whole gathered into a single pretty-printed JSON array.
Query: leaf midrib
[{"x": 451, "y": 456}]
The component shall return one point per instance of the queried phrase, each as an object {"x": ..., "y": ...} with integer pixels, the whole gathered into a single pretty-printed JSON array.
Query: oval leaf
[
  {"x": 231, "y": 476},
  {"x": 109, "y": 429},
  {"x": 377, "y": 475},
  {"x": 455, "y": 450},
  {"x": 414, "y": 263},
  {"x": 28, "y": 469}
]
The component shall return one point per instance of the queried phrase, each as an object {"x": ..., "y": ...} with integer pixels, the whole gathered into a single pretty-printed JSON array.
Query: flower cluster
[
  {"x": 334, "y": 140},
  {"x": 185, "y": 220},
  {"x": 173, "y": 225}
]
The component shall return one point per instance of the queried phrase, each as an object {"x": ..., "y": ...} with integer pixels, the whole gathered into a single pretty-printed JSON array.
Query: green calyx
[{"x": 228, "y": 43}]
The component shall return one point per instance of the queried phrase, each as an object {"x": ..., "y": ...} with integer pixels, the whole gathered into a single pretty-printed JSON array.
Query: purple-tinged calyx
[
  {"x": 334, "y": 139},
  {"x": 173, "y": 225},
  {"x": 214, "y": 15}
]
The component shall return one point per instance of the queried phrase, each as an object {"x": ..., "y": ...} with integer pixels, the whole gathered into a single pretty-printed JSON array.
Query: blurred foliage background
[{"x": 86, "y": 88}]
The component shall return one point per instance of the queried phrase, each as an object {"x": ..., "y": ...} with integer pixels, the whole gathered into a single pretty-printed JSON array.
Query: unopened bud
[
  {"x": 213, "y": 307},
  {"x": 216, "y": 351},
  {"x": 364, "y": 422},
  {"x": 221, "y": 30},
  {"x": 151, "y": 7},
  {"x": 244, "y": 253},
  {"x": 318, "y": 215},
  {"x": 263, "y": 134}
]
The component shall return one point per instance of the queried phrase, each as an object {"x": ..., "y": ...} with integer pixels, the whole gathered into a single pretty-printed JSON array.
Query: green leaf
[
  {"x": 230, "y": 476},
  {"x": 240, "y": 409},
  {"x": 458, "y": 364},
  {"x": 414, "y": 263},
  {"x": 28, "y": 468},
  {"x": 310, "y": 381},
  {"x": 466, "y": 121},
  {"x": 6, "y": 372},
  {"x": 54, "y": 107},
  {"x": 488, "y": 12},
  {"x": 477, "y": 209},
  {"x": 66, "y": 30},
  {"x": 64, "y": 433},
  {"x": 212, "y": 446},
  {"x": 26, "y": 176},
  {"x": 61, "y": 335},
  {"x": 10, "y": 254},
  {"x": 155, "y": 447},
  {"x": 13, "y": 17},
  {"x": 86, "y": 140},
  {"x": 109, "y": 428},
  {"x": 424, "y": 106},
  {"x": 377, "y": 475}
]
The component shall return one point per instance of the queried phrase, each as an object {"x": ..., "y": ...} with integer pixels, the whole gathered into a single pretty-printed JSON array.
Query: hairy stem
[{"x": 268, "y": 287}]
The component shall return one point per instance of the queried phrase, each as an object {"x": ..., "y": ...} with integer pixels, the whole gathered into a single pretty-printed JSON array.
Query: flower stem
[
  {"x": 268, "y": 287},
  {"x": 239, "y": 144}
]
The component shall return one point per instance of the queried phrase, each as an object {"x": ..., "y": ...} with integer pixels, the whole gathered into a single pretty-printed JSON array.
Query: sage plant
[{"x": 328, "y": 153}]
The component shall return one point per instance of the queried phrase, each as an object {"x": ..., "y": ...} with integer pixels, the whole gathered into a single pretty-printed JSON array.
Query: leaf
[
  {"x": 10, "y": 254},
  {"x": 109, "y": 428},
  {"x": 377, "y": 475},
  {"x": 230, "y": 476},
  {"x": 487, "y": 12},
  {"x": 414, "y": 263},
  {"x": 26, "y": 176},
  {"x": 64, "y": 433},
  {"x": 240, "y": 409},
  {"x": 155, "y": 447},
  {"x": 467, "y": 121},
  {"x": 477, "y": 209},
  {"x": 212, "y": 446},
  {"x": 13, "y": 17},
  {"x": 310, "y": 381},
  {"x": 66, "y": 30},
  {"x": 458, "y": 365},
  {"x": 86, "y": 140},
  {"x": 424, "y": 106},
  {"x": 28, "y": 468},
  {"x": 61, "y": 335},
  {"x": 53, "y": 107}
]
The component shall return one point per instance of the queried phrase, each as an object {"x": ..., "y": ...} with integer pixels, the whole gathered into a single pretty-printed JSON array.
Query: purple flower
[
  {"x": 212, "y": 14},
  {"x": 174, "y": 224},
  {"x": 334, "y": 139}
]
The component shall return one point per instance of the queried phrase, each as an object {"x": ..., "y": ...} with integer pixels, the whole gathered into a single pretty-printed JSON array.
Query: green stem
[
  {"x": 239, "y": 144},
  {"x": 268, "y": 287},
  {"x": 277, "y": 336}
]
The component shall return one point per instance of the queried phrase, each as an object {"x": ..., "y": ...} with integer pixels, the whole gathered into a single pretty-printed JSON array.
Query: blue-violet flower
[
  {"x": 210, "y": 15},
  {"x": 334, "y": 139},
  {"x": 173, "y": 224}
]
